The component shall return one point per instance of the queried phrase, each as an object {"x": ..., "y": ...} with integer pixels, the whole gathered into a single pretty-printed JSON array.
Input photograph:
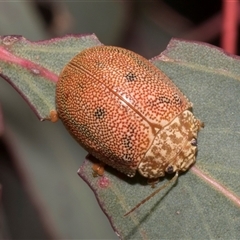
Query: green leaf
[
  {"x": 33, "y": 67},
  {"x": 204, "y": 203}
]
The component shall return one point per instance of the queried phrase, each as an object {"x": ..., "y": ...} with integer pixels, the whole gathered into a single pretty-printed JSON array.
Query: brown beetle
[{"x": 127, "y": 113}]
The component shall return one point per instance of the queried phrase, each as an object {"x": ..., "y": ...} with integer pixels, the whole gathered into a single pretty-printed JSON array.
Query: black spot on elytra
[
  {"x": 127, "y": 142},
  {"x": 100, "y": 113},
  {"x": 176, "y": 99},
  {"x": 131, "y": 77},
  {"x": 164, "y": 100},
  {"x": 127, "y": 157},
  {"x": 99, "y": 64}
]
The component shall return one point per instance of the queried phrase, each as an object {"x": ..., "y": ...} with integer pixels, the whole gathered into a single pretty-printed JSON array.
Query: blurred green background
[{"x": 41, "y": 195}]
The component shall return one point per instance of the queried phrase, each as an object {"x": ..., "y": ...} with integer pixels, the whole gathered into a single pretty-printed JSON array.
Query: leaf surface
[
  {"x": 33, "y": 67},
  {"x": 204, "y": 203}
]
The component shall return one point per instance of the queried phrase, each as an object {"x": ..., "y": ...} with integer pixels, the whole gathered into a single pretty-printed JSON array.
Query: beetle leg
[
  {"x": 53, "y": 116},
  {"x": 98, "y": 169},
  {"x": 153, "y": 182}
]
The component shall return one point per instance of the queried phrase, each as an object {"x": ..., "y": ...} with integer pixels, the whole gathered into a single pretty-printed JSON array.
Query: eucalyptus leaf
[
  {"x": 33, "y": 67},
  {"x": 204, "y": 203}
]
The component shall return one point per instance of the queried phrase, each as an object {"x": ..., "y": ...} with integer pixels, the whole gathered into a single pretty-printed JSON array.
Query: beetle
[{"x": 127, "y": 113}]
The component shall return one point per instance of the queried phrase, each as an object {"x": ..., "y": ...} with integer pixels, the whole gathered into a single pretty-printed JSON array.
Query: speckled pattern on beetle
[{"x": 127, "y": 113}]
